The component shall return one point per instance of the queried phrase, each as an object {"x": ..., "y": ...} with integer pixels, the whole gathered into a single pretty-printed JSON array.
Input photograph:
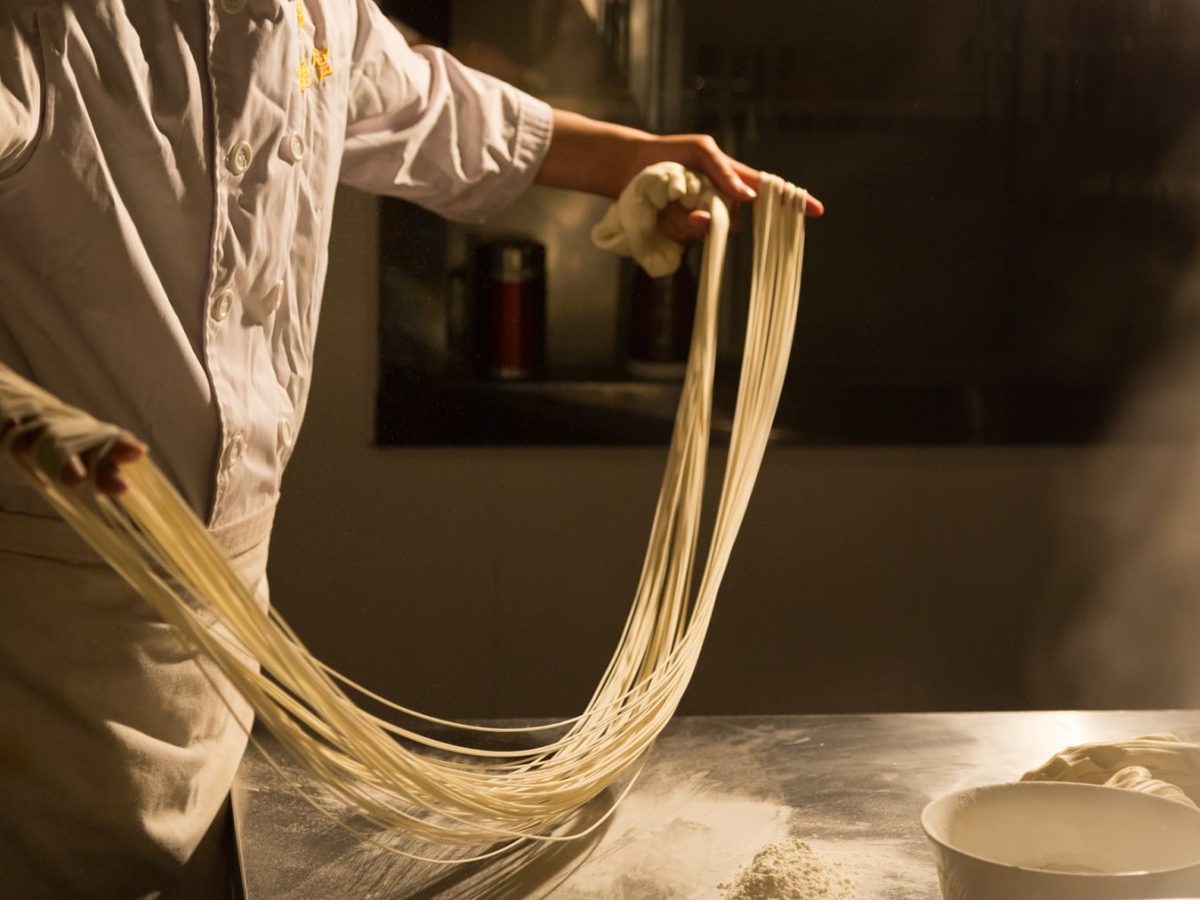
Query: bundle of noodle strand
[{"x": 442, "y": 791}]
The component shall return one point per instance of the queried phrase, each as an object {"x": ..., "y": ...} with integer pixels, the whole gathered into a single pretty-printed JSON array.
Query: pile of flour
[{"x": 788, "y": 870}]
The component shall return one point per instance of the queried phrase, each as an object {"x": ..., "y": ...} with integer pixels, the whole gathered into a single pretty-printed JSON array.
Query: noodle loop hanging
[{"x": 446, "y": 792}]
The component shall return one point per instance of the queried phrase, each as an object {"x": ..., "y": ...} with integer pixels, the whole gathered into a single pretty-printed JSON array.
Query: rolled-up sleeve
[{"x": 424, "y": 127}]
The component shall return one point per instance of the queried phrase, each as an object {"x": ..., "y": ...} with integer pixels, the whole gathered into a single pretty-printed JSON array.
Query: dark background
[{"x": 1012, "y": 191}]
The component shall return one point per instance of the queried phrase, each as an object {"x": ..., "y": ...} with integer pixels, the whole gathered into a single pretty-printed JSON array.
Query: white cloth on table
[{"x": 1159, "y": 764}]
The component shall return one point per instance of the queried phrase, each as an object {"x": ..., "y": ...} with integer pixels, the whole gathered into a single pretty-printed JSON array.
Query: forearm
[
  {"x": 589, "y": 155},
  {"x": 601, "y": 158}
]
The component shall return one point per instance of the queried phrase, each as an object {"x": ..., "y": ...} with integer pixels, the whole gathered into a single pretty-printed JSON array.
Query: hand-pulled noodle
[{"x": 447, "y": 792}]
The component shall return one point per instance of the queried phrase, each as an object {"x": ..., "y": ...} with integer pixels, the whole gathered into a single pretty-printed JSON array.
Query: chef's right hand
[
  {"x": 103, "y": 465},
  {"x": 103, "y": 468}
]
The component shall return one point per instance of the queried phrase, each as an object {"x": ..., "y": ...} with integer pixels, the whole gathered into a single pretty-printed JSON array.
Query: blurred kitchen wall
[
  {"x": 481, "y": 582},
  {"x": 555, "y": 50},
  {"x": 484, "y": 581}
]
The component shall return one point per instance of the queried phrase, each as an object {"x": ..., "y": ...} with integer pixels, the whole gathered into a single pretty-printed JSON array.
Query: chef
[{"x": 167, "y": 179}]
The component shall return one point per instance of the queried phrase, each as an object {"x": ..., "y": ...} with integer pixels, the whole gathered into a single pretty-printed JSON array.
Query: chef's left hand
[
  {"x": 599, "y": 157},
  {"x": 699, "y": 152}
]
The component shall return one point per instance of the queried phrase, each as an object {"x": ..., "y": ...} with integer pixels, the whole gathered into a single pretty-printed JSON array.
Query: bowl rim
[{"x": 1069, "y": 785}]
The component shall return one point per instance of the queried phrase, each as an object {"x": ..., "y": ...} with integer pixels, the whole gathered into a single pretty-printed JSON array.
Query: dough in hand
[{"x": 630, "y": 226}]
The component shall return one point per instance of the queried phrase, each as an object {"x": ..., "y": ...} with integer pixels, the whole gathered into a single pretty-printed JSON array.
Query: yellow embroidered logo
[
  {"x": 304, "y": 76},
  {"x": 321, "y": 63}
]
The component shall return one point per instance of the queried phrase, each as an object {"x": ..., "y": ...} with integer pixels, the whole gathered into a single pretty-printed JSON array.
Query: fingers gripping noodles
[{"x": 440, "y": 791}]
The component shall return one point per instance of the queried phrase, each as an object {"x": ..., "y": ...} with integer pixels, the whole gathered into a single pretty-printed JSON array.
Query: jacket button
[
  {"x": 234, "y": 450},
  {"x": 233, "y": 6},
  {"x": 239, "y": 158},
  {"x": 222, "y": 305},
  {"x": 295, "y": 147}
]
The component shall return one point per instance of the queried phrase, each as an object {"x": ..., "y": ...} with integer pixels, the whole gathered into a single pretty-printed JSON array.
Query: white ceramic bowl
[{"x": 1051, "y": 841}]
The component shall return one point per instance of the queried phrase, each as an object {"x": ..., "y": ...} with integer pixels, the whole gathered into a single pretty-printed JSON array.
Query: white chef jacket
[{"x": 167, "y": 175}]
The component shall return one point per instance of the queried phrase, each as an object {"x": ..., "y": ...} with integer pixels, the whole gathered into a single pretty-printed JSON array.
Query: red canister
[{"x": 512, "y": 308}]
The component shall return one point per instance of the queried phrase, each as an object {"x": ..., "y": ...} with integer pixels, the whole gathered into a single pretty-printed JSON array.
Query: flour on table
[{"x": 788, "y": 870}]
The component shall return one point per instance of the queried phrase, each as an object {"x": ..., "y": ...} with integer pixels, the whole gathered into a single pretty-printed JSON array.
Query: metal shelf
[{"x": 421, "y": 409}]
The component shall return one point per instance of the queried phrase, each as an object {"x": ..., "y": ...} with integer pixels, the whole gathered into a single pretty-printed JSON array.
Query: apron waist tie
[{"x": 52, "y": 538}]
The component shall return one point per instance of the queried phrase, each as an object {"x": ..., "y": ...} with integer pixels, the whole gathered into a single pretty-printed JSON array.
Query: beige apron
[{"x": 116, "y": 751}]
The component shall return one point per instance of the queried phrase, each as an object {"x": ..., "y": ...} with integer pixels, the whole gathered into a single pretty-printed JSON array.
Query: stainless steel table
[{"x": 714, "y": 792}]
